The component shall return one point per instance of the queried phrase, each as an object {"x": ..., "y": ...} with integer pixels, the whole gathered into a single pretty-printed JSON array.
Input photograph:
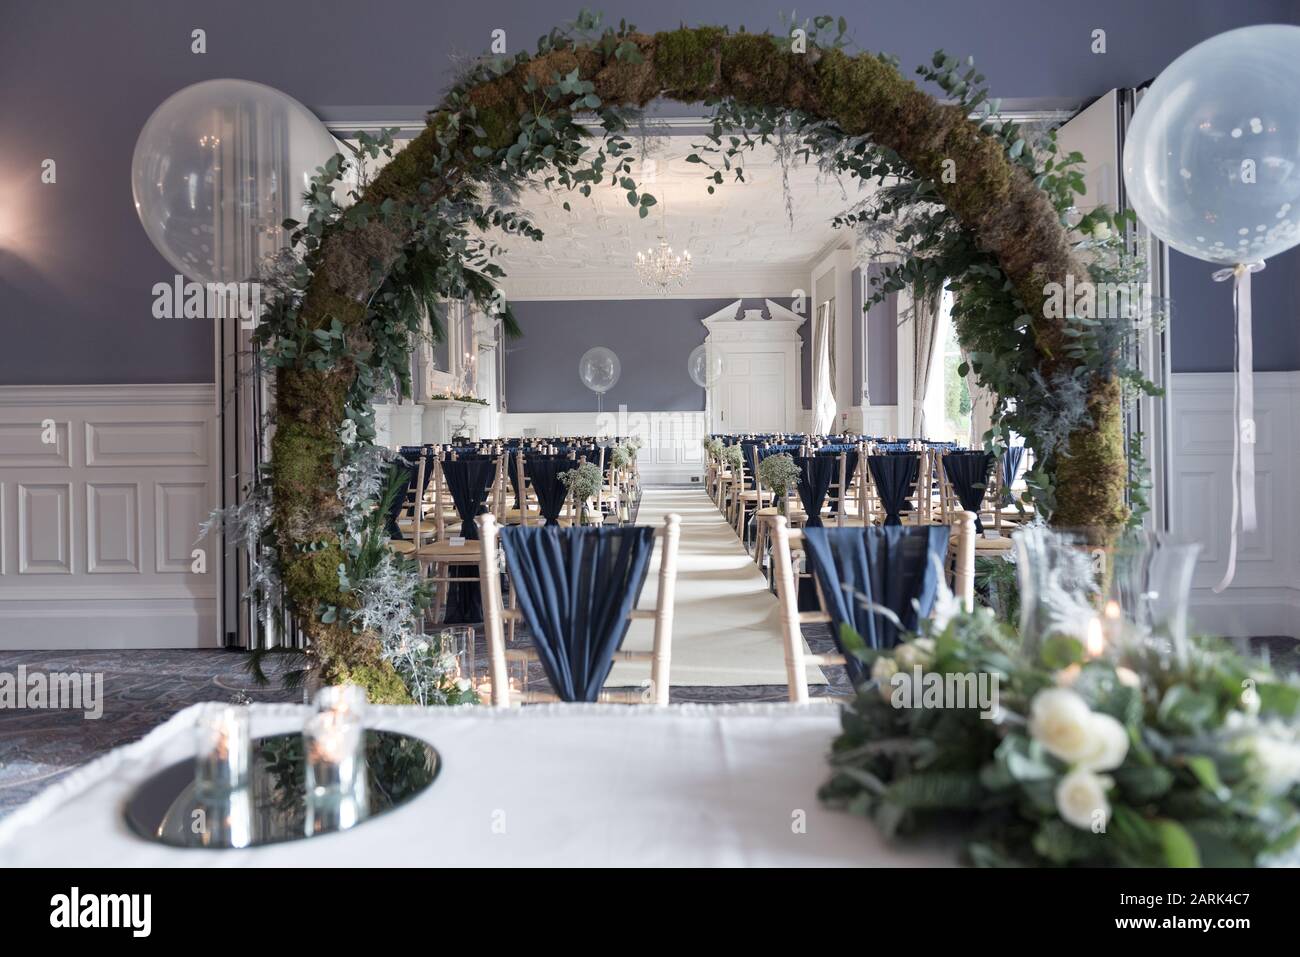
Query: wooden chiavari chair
[
  {"x": 746, "y": 499},
  {"x": 961, "y": 550},
  {"x": 496, "y": 615}
]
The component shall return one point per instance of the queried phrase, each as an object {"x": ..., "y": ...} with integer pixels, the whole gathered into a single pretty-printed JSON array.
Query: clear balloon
[
  {"x": 705, "y": 369},
  {"x": 599, "y": 369},
  {"x": 1212, "y": 157},
  {"x": 217, "y": 168}
]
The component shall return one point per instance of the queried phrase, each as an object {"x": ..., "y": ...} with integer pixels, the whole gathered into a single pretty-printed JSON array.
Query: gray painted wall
[
  {"x": 652, "y": 338},
  {"x": 1201, "y": 321},
  {"x": 78, "y": 78}
]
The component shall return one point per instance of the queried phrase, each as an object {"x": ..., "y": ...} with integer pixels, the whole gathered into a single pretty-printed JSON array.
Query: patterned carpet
[{"x": 142, "y": 689}]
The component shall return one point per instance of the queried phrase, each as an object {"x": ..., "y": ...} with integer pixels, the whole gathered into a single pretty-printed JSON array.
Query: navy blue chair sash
[
  {"x": 544, "y": 472},
  {"x": 968, "y": 472},
  {"x": 1011, "y": 459},
  {"x": 469, "y": 480},
  {"x": 410, "y": 470},
  {"x": 895, "y": 567},
  {"x": 816, "y": 472},
  {"x": 895, "y": 477},
  {"x": 575, "y": 589}
]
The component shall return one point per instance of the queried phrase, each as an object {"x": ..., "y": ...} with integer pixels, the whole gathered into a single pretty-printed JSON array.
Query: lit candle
[
  {"x": 222, "y": 749},
  {"x": 1095, "y": 643},
  {"x": 1114, "y": 622},
  {"x": 332, "y": 742}
]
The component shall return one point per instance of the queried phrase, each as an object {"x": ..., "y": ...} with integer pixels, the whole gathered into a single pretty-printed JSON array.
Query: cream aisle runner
[{"x": 727, "y": 626}]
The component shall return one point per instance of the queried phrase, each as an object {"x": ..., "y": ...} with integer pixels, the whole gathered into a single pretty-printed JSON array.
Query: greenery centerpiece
[
  {"x": 583, "y": 482},
  {"x": 733, "y": 457},
  {"x": 458, "y": 397},
  {"x": 1125, "y": 758},
  {"x": 779, "y": 473}
]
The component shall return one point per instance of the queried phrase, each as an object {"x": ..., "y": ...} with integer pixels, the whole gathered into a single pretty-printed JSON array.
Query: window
[
  {"x": 947, "y": 401},
  {"x": 956, "y": 394}
]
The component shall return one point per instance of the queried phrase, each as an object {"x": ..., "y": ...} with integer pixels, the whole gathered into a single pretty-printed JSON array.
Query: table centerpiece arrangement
[{"x": 1085, "y": 737}]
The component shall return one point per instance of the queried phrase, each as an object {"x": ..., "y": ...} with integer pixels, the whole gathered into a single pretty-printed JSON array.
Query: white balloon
[
  {"x": 704, "y": 369},
  {"x": 216, "y": 170},
  {"x": 599, "y": 369},
  {"x": 1212, "y": 157}
]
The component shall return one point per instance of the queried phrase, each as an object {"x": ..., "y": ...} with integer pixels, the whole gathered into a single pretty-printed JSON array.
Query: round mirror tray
[{"x": 275, "y": 807}]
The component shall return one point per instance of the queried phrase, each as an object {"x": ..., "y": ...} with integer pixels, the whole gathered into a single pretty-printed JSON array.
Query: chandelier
[{"x": 661, "y": 268}]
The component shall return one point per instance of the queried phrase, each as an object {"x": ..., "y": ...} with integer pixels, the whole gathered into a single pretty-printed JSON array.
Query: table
[{"x": 550, "y": 785}]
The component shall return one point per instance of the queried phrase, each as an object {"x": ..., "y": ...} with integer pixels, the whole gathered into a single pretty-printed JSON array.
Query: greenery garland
[{"x": 342, "y": 329}]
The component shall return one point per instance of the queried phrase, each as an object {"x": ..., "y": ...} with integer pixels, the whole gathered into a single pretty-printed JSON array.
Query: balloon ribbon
[{"x": 1243, "y": 403}]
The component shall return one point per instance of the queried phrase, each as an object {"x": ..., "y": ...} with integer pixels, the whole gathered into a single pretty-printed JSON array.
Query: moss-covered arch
[{"x": 862, "y": 94}]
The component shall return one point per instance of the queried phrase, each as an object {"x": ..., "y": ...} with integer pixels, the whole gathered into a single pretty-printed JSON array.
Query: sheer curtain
[
  {"x": 823, "y": 369},
  {"x": 925, "y": 337}
]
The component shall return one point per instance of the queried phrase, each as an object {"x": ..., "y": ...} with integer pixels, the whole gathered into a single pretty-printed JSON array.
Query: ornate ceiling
[{"x": 744, "y": 239}]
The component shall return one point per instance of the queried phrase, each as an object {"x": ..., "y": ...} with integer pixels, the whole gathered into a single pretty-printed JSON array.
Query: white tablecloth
[{"x": 563, "y": 784}]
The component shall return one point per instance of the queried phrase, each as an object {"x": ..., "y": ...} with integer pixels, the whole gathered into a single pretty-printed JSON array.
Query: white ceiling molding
[{"x": 747, "y": 282}]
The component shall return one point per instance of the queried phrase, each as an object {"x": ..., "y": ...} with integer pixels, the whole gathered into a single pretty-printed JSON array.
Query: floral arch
[{"x": 987, "y": 216}]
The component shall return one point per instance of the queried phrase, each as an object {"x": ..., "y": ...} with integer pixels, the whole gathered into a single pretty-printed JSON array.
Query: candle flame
[{"x": 1095, "y": 643}]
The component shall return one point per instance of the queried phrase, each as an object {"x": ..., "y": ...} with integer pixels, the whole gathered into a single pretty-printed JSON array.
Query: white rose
[
  {"x": 1109, "y": 745},
  {"x": 918, "y": 652},
  {"x": 421, "y": 646},
  {"x": 1277, "y": 758},
  {"x": 1081, "y": 800},
  {"x": 1061, "y": 722},
  {"x": 462, "y": 684},
  {"x": 1129, "y": 677},
  {"x": 882, "y": 670}
]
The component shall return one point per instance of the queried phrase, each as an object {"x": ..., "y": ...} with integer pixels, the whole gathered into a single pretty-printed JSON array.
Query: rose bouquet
[{"x": 1066, "y": 758}]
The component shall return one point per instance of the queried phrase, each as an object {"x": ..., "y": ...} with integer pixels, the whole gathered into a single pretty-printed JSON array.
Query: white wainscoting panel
[
  {"x": 1264, "y": 598},
  {"x": 672, "y": 453},
  {"x": 102, "y": 490},
  {"x": 874, "y": 419}
]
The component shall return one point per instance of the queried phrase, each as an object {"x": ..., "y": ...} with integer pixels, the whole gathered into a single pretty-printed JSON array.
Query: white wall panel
[
  {"x": 112, "y": 528},
  {"x": 1264, "y": 598},
  {"x": 97, "y": 533},
  {"x": 44, "y": 528},
  {"x": 672, "y": 453}
]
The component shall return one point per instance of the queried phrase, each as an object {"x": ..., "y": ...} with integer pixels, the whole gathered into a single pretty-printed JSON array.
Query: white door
[{"x": 751, "y": 394}]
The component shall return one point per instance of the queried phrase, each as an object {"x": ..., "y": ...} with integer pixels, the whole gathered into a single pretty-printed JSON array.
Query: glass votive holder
[
  {"x": 456, "y": 645},
  {"x": 347, "y": 701},
  {"x": 516, "y": 681},
  {"x": 324, "y": 816},
  {"x": 222, "y": 750},
  {"x": 517, "y": 670},
  {"x": 225, "y": 820},
  {"x": 332, "y": 745}
]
